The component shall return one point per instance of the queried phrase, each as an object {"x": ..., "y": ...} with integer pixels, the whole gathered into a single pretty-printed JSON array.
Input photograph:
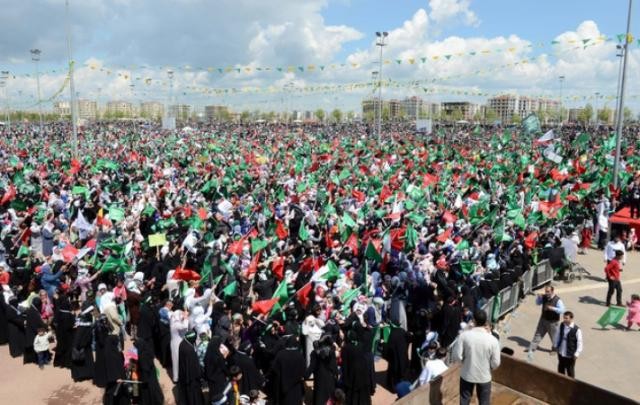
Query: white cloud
[{"x": 444, "y": 10}]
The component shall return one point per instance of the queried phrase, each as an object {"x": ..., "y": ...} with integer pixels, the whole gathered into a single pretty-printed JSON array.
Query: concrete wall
[
  {"x": 535, "y": 382},
  {"x": 551, "y": 387}
]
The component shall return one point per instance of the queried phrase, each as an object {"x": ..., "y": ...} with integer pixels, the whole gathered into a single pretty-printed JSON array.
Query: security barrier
[
  {"x": 508, "y": 299},
  {"x": 527, "y": 281},
  {"x": 542, "y": 274}
]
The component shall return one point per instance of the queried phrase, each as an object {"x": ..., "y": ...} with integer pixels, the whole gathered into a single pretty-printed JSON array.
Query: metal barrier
[
  {"x": 542, "y": 274},
  {"x": 527, "y": 281},
  {"x": 488, "y": 306},
  {"x": 508, "y": 299}
]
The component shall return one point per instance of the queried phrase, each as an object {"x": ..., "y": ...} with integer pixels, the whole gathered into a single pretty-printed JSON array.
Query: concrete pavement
[{"x": 610, "y": 358}]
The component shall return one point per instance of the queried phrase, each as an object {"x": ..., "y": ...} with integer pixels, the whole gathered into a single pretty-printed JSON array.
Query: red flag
[
  {"x": 69, "y": 253},
  {"x": 358, "y": 195},
  {"x": 253, "y": 266},
  {"x": 310, "y": 263},
  {"x": 385, "y": 193},
  {"x": 448, "y": 217},
  {"x": 236, "y": 247},
  {"x": 397, "y": 238},
  {"x": 303, "y": 295},
  {"x": 352, "y": 243},
  {"x": 253, "y": 233},
  {"x": 187, "y": 211},
  {"x": 444, "y": 236},
  {"x": 277, "y": 268},
  {"x": 557, "y": 176},
  {"x": 530, "y": 240},
  {"x": 185, "y": 274},
  {"x": 281, "y": 231},
  {"x": 91, "y": 244},
  {"x": 202, "y": 213},
  {"x": 429, "y": 179},
  {"x": 9, "y": 195},
  {"x": 264, "y": 306}
]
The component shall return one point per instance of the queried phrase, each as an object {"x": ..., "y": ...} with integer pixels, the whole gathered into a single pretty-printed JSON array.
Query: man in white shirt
[
  {"x": 434, "y": 366},
  {"x": 479, "y": 352},
  {"x": 568, "y": 340},
  {"x": 612, "y": 246}
]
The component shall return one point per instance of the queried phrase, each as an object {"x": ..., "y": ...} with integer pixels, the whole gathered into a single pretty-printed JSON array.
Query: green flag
[
  {"x": 303, "y": 233},
  {"x": 346, "y": 299},
  {"x": 116, "y": 214},
  {"x": 282, "y": 292},
  {"x": 531, "y": 124},
  {"x": 612, "y": 316},
  {"x": 467, "y": 267},
  {"x": 115, "y": 264},
  {"x": 230, "y": 289},
  {"x": 411, "y": 238},
  {"x": 348, "y": 221},
  {"x": 259, "y": 244},
  {"x": 23, "y": 251},
  {"x": 371, "y": 253},
  {"x": 463, "y": 245}
]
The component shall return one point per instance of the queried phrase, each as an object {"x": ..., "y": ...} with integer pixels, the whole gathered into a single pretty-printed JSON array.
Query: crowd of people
[{"x": 249, "y": 259}]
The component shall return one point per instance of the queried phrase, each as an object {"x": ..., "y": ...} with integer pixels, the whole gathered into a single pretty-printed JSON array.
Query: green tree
[
  {"x": 386, "y": 113},
  {"x": 369, "y": 116},
  {"x": 585, "y": 115},
  {"x": 336, "y": 115},
  {"x": 351, "y": 115},
  {"x": 490, "y": 115},
  {"x": 516, "y": 119},
  {"x": 627, "y": 115},
  {"x": 456, "y": 115},
  {"x": 604, "y": 115},
  {"x": 244, "y": 117},
  {"x": 320, "y": 114}
]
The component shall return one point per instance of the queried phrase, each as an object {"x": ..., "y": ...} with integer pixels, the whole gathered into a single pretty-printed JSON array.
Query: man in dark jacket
[{"x": 568, "y": 341}]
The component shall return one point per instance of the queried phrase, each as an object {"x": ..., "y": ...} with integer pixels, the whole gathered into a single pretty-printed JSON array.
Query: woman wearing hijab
[
  {"x": 189, "y": 373},
  {"x": 34, "y": 322},
  {"x": 252, "y": 378},
  {"x": 396, "y": 354},
  {"x": 15, "y": 328},
  {"x": 115, "y": 393},
  {"x": 215, "y": 369},
  {"x": 358, "y": 383},
  {"x": 63, "y": 321},
  {"x": 179, "y": 326},
  {"x": 288, "y": 374},
  {"x": 150, "y": 391},
  {"x": 82, "y": 365},
  {"x": 324, "y": 367}
]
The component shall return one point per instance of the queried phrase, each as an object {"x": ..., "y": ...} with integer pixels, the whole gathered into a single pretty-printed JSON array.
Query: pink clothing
[
  {"x": 634, "y": 312},
  {"x": 120, "y": 292}
]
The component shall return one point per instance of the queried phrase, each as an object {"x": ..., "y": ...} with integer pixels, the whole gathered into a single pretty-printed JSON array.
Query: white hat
[
  {"x": 102, "y": 286},
  {"x": 139, "y": 276}
]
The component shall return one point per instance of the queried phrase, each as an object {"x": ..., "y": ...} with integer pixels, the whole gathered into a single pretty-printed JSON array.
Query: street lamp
[
  {"x": 35, "y": 56},
  {"x": 597, "y": 94},
  {"x": 380, "y": 42},
  {"x": 4, "y": 77},
  {"x": 169, "y": 110},
  {"x": 621, "y": 98},
  {"x": 561, "y": 79},
  {"x": 72, "y": 87}
]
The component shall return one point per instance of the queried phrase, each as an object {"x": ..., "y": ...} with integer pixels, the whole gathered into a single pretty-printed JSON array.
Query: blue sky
[
  {"x": 116, "y": 35},
  {"x": 537, "y": 21}
]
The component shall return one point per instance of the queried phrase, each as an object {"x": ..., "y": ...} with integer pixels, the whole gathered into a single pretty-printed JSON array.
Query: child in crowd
[
  {"x": 41, "y": 346},
  {"x": 633, "y": 315}
]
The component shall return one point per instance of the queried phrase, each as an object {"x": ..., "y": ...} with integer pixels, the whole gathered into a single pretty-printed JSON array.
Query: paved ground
[{"x": 610, "y": 356}]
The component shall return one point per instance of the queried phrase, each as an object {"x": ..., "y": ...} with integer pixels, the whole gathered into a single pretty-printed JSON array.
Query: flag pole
[{"x": 621, "y": 98}]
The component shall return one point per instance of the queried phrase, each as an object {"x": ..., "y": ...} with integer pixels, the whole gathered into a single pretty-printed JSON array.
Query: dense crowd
[{"x": 247, "y": 259}]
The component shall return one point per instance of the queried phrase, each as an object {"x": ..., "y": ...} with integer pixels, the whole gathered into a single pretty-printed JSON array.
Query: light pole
[
  {"x": 597, "y": 94},
  {"x": 374, "y": 79},
  {"x": 561, "y": 79},
  {"x": 35, "y": 56},
  {"x": 169, "y": 110},
  {"x": 380, "y": 42},
  {"x": 4, "y": 82},
  {"x": 621, "y": 98},
  {"x": 72, "y": 87}
]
